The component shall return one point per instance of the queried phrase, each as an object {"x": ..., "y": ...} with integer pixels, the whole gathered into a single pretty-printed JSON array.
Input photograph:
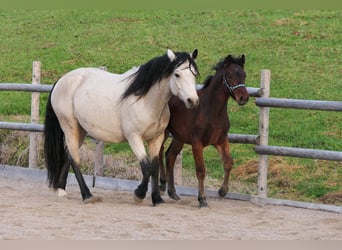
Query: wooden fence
[{"x": 263, "y": 101}]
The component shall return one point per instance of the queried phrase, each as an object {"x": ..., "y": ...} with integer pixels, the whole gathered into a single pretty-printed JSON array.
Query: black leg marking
[
  {"x": 156, "y": 198},
  {"x": 146, "y": 170},
  {"x": 62, "y": 180},
  {"x": 83, "y": 186}
]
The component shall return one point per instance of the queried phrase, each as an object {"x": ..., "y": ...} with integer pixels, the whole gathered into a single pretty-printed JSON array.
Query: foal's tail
[{"x": 54, "y": 147}]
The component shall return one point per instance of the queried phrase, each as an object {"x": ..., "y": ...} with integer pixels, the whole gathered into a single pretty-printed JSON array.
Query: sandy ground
[{"x": 30, "y": 210}]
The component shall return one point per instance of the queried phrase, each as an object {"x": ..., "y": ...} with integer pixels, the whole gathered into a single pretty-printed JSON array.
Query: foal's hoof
[
  {"x": 173, "y": 195},
  {"x": 93, "y": 199},
  {"x": 222, "y": 192},
  {"x": 203, "y": 202}
]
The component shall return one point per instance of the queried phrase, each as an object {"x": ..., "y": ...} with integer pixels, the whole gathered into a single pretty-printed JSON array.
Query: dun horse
[
  {"x": 208, "y": 124},
  {"x": 114, "y": 108}
]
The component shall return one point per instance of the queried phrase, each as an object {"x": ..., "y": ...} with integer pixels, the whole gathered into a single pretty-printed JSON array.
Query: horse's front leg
[
  {"x": 227, "y": 162},
  {"x": 154, "y": 150},
  {"x": 197, "y": 151},
  {"x": 148, "y": 167}
]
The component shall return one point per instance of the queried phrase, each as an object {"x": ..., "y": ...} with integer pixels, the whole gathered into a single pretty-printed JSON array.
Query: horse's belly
[
  {"x": 105, "y": 132},
  {"x": 100, "y": 119}
]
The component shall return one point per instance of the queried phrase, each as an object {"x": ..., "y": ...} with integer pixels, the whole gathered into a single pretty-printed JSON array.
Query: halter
[
  {"x": 231, "y": 88},
  {"x": 194, "y": 73}
]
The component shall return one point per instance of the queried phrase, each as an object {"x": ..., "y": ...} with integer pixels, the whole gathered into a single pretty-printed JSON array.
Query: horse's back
[{"x": 90, "y": 97}]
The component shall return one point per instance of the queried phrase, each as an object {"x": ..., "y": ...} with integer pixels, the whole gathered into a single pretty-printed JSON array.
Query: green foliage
[{"x": 302, "y": 49}]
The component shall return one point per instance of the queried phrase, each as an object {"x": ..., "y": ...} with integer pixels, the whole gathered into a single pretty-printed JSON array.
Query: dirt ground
[{"x": 30, "y": 210}]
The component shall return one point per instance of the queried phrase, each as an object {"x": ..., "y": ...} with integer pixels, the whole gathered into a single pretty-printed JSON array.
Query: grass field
[{"x": 302, "y": 49}]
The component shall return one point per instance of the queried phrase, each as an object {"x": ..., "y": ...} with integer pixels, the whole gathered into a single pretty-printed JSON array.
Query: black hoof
[
  {"x": 140, "y": 193},
  {"x": 157, "y": 200},
  {"x": 202, "y": 202},
  {"x": 86, "y": 197},
  {"x": 222, "y": 192},
  {"x": 173, "y": 195}
]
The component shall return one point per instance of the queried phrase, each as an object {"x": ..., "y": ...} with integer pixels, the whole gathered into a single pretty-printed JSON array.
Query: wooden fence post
[
  {"x": 263, "y": 133},
  {"x": 34, "y": 137}
]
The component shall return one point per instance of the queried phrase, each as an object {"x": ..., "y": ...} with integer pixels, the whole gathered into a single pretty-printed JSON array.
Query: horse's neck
[
  {"x": 216, "y": 92},
  {"x": 159, "y": 95}
]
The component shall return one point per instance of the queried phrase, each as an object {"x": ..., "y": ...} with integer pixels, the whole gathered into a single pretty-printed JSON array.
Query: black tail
[{"x": 54, "y": 146}]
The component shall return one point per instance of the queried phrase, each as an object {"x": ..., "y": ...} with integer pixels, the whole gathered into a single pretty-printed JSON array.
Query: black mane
[
  {"x": 155, "y": 70},
  {"x": 228, "y": 60}
]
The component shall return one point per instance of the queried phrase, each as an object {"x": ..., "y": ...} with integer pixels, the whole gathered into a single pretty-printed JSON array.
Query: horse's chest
[
  {"x": 212, "y": 132},
  {"x": 154, "y": 123}
]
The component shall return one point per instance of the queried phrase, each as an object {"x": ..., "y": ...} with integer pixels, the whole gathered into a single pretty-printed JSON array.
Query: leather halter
[{"x": 231, "y": 88}]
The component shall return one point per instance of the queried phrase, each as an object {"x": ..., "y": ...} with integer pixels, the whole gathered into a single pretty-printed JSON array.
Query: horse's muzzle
[
  {"x": 192, "y": 103},
  {"x": 242, "y": 100}
]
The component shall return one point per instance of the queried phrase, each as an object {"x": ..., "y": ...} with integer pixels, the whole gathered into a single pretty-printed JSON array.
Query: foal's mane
[
  {"x": 154, "y": 71},
  {"x": 228, "y": 60}
]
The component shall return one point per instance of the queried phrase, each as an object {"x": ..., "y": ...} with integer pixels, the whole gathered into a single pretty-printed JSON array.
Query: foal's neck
[{"x": 216, "y": 91}]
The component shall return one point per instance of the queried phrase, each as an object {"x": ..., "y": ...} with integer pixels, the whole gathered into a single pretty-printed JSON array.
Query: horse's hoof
[
  {"x": 61, "y": 193},
  {"x": 137, "y": 199},
  {"x": 203, "y": 202},
  {"x": 173, "y": 196},
  {"x": 222, "y": 192},
  {"x": 93, "y": 199},
  {"x": 157, "y": 201},
  {"x": 140, "y": 193}
]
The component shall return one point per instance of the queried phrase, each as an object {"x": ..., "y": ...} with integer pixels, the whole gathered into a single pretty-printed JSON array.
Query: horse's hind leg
[
  {"x": 227, "y": 161},
  {"x": 170, "y": 159},
  {"x": 63, "y": 179},
  {"x": 74, "y": 139}
]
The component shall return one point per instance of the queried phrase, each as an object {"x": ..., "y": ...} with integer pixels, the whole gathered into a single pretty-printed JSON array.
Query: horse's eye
[{"x": 177, "y": 75}]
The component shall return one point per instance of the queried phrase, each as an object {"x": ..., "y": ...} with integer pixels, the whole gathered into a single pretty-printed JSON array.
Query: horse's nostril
[
  {"x": 190, "y": 101},
  {"x": 193, "y": 103},
  {"x": 243, "y": 100}
]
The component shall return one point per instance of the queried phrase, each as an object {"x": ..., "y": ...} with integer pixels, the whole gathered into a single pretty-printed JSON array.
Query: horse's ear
[
  {"x": 243, "y": 59},
  {"x": 194, "y": 54},
  {"x": 171, "y": 55},
  {"x": 228, "y": 59}
]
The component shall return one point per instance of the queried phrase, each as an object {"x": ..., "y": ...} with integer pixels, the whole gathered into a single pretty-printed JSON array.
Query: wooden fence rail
[{"x": 262, "y": 100}]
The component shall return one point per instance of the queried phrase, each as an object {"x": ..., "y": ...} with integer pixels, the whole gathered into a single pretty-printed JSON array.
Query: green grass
[{"x": 302, "y": 49}]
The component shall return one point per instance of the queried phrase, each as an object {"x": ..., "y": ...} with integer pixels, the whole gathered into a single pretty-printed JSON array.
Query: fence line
[
  {"x": 263, "y": 101},
  {"x": 299, "y": 104}
]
